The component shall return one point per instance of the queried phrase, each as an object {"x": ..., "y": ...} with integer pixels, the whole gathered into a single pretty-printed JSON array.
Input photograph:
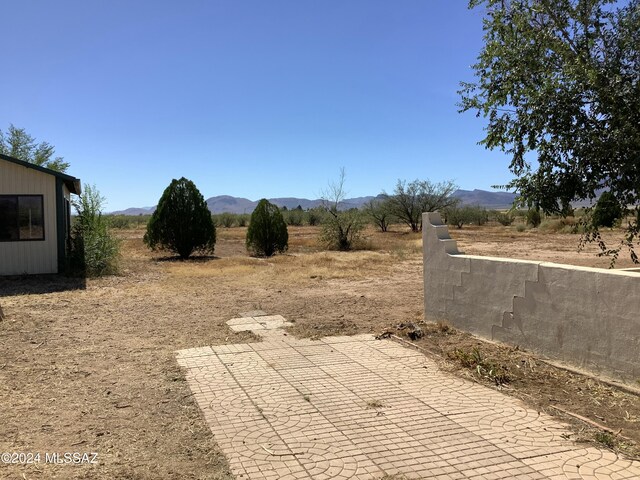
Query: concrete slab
[{"x": 356, "y": 407}]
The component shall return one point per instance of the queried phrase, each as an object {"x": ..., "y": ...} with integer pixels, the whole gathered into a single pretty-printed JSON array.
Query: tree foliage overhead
[
  {"x": 559, "y": 82},
  {"x": 17, "y": 143},
  {"x": 267, "y": 232},
  {"x": 182, "y": 222},
  {"x": 410, "y": 200}
]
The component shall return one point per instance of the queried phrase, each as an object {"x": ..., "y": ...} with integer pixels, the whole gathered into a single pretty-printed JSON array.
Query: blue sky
[{"x": 250, "y": 98}]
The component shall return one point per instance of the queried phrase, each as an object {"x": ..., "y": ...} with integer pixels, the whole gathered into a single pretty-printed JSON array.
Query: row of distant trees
[{"x": 183, "y": 224}]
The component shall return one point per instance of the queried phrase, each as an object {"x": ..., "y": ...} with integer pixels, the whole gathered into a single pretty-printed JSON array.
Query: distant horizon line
[{"x": 500, "y": 199}]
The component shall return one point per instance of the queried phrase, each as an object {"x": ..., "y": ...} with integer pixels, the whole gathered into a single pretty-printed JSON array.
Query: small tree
[
  {"x": 410, "y": 200},
  {"x": 267, "y": 232},
  {"x": 94, "y": 251},
  {"x": 459, "y": 216},
  {"x": 379, "y": 212},
  {"x": 182, "y": 222},
  {"x": 479, "y": 215},
  {"x": 607, "y": 211},
  {"x": 533, "y": 217},
  {"x": 341, "y": 228}
]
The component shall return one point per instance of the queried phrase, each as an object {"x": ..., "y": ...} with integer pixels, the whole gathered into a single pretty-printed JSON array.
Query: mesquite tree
[{"x": 559, "y": 82}]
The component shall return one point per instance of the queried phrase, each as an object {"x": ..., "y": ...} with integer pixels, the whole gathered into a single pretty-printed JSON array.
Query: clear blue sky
[{"x": 251, "y": 98}]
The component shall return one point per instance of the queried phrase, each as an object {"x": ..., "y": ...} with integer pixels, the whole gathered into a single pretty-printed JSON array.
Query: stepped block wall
[{"x": 585, "y": 317}]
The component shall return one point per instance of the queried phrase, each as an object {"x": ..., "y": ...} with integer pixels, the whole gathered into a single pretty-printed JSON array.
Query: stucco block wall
[
  {"x": 17, "y": 258},
  {"x": 587, "y": 317}
]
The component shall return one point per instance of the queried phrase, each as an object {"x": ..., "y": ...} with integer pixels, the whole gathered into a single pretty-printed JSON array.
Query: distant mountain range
[{"x": 227, "y": 203}]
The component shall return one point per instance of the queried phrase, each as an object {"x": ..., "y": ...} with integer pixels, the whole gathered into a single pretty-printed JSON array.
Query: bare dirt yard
[{"x": 91, "y": 367}]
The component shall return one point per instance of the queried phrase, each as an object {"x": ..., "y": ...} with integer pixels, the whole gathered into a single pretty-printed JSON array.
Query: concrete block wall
[{"x": 585, "y": 317}]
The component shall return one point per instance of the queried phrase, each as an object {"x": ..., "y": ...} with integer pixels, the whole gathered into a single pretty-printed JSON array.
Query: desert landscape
[{"x": 91, "y": 367}]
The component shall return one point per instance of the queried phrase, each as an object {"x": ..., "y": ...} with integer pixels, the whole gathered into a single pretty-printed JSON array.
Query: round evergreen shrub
[
  {"x": 267, "y": 232},
  {"x": 182, "y": 222},
  {"x": 607, "y": 211}
]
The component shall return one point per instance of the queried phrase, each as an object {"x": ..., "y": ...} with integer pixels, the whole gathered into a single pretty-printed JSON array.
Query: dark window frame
[{"x": 17, "y": 197}]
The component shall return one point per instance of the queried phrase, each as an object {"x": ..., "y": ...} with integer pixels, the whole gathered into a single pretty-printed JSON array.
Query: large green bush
[
  {"x": 607, "y": 211},
  {"x": 182, "y": 222},
  {"x": 94, "y": 250},
  {"x": 267, "y": 232}
]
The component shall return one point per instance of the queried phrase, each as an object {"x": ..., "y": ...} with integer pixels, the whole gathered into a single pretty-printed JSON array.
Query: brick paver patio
[{"x": 356, "y": 407}]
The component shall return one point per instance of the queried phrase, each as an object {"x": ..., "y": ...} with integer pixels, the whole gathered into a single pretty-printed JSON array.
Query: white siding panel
[{"x": 17, "y": 258}]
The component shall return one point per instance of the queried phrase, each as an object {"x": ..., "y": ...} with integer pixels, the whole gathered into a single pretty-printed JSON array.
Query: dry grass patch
[
  {"x": 500, "y": 241},
  {"x": 286, "y": 269}
]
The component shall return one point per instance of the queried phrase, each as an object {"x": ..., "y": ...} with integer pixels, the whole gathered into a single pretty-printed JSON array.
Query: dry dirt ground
[{"x": 91, "y": 367}]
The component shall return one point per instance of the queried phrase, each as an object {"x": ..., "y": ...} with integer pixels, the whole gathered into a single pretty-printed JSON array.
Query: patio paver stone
[{"x": 361, "y": 408}]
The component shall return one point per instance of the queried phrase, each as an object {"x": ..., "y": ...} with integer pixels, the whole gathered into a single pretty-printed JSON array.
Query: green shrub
[
  {"x": 128, "y": 221},
  {"x": 505, "y": 219},
  {"x": 479, "y": 215},
  {"x": 226, "y": 220},
  {"x": 607, "y": 211},
  {"x": 342, "y": 230},
  {"x": 521, "y": 227},
  {"x": 94, "y": 250},
  {"x": 242, "y": 220},
  {"x": 267, "y": 232},
  {"x": 533, "y": 217},
  {"x": 294, "y": 217},
  {"x": 457, "y": 216},
  {"x": 182, "y": 222},
  {"x": 120, "y": 221},
  {"x": 315, "y": 216}
]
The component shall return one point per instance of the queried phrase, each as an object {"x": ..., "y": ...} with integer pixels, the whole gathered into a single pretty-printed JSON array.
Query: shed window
[{"x": 21, "y": 218}]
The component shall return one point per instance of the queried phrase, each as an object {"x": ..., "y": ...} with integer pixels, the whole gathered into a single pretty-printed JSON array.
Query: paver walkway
[{"x": 356, "y": 407}]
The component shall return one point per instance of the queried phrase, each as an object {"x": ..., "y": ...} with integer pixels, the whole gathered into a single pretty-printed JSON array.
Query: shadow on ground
[{"x": 39, "y": 284}]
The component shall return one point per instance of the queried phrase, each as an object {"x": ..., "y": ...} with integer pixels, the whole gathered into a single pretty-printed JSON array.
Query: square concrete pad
[{"x": 356, "y": 407}]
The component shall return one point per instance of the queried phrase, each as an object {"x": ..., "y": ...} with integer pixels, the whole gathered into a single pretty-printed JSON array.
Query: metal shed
[{"x": 35, "y": 217}]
